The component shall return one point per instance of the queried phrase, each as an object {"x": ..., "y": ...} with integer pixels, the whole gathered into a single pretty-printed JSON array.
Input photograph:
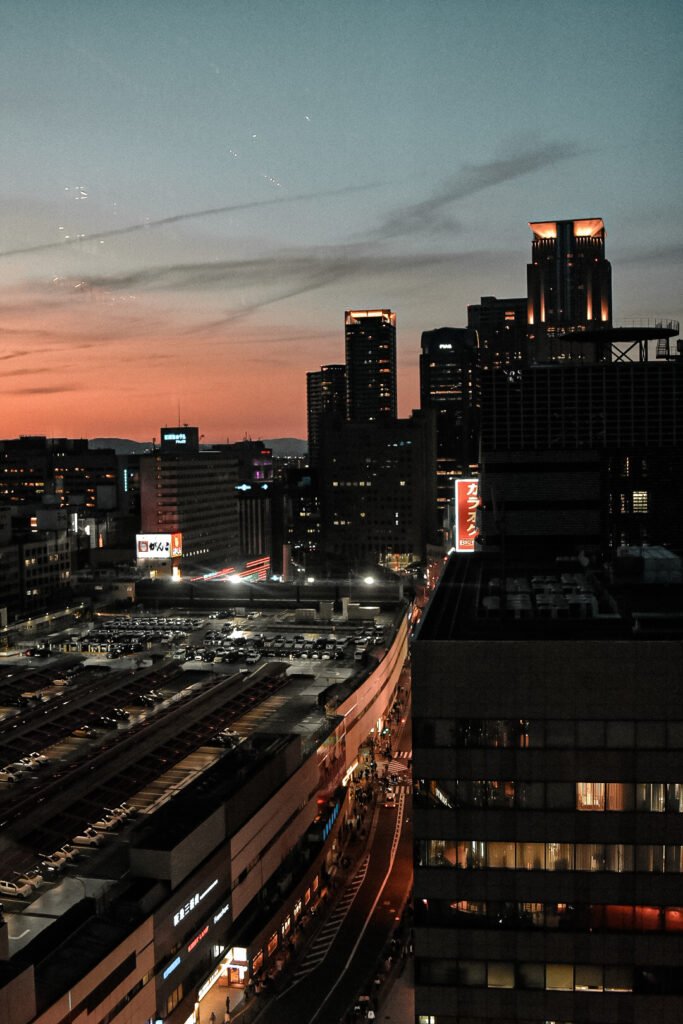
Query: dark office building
[
  {"x": 370, "y": 365},
  {"x": 583, "y": 456},
  {"x": 325, "y": 394},
  {"x": 548, "y": 814},
  {"x": 378, "y": 496},
  {"x": 301, "y": 500},
  {"x": 569, "y": 286},
  {"x": 449, "y": 384},
  {"x": 254, "y": 460},
  {"x": 82, "y": 479},
  {"x": 501, "y": 325}
]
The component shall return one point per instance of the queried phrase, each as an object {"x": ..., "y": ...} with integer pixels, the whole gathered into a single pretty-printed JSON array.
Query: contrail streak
[{"x": 176, "y": 218}]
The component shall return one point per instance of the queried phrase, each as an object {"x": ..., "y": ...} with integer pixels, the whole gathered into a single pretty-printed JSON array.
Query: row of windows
[
  {"x": 551, "y": 977},
  {"x": 550, "y": 734},
  {"x": 507, "y": 794},
  {"x": 582, "y": 917},
  {"x": 433, "y": 1018},
  {"x": 468, "y": 854}
]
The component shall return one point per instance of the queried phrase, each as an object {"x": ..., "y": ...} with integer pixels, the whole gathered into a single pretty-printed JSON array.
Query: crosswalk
[{"x": 399, "y": 763}]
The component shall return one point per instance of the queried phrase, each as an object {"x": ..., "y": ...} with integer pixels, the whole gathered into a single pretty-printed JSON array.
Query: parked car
[
  {"x": 88, "y": 837},
  {"x": 127, "y": 809},
  {"x": 32, "y": 878},
  {"x": 56, "y": 861},
  {"x": 107, "y": 823},
  {"x": 117, "y": 814},
  {"x": 19, "y": 889},
  {"x": 38, "y": 758},
  {"x": 84, "y": 732},
  {"x": 69, "y": 851}
]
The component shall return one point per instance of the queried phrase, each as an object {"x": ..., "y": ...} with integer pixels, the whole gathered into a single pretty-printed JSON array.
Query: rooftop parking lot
[{"x": 101, "y": 724}]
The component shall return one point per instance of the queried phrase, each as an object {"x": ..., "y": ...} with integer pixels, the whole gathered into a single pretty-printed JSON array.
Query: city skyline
[{"x": 291, "y": 165}]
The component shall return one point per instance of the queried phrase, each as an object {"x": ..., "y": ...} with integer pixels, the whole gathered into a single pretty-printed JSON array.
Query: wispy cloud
[
  {"x": 27, "y": 371},
  {"x": 56, "y": 389},
  {"x": 178, "y": 217},
  {"x": 251, "y": 284},
  {"x": 429, "y": 215}
]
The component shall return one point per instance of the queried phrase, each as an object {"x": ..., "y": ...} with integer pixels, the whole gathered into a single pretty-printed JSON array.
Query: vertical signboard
[{"x": 466, "y": 503}]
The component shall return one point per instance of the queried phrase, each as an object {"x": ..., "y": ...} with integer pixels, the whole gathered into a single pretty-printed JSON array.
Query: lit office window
[
  {"x": 501, "y": 975},
  {"x": 640, "y": 501},
  {"x": 590, "y": 796},
  {"x": 531, "y": 856},
  {"x": 559, "y": 976},
  {"x": 650, "y": 796},
  {"x": 559, "y": 856}
]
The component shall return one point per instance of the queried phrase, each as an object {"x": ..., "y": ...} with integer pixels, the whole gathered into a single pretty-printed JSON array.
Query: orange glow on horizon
[{"x": 90, "y": 366}]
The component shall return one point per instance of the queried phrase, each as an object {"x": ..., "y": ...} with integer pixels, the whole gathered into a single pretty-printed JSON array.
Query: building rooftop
[{"x": 640, "y": 595}]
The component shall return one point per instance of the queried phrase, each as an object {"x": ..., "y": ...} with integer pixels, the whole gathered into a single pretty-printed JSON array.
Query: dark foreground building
[{"x": 548, "y": 767}]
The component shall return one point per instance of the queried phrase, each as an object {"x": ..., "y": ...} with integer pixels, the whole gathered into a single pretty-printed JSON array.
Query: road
[{"x": 342, "y": 960}]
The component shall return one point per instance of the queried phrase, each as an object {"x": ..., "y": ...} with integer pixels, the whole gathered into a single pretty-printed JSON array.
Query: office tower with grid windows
[
  {"x": 548, "y": 807},
  {"x": 449, "y": 384},
  {"x": 370, "y": 336},
  {"x": 325, "y": 395}
]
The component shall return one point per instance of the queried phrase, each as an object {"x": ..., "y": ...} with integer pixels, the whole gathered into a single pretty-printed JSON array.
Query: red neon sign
[
  {"x": 198, "y": 938},
  {"x": 466, "y": 504}
]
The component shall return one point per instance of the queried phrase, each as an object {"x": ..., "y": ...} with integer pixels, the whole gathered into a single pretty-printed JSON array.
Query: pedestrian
[
  {"x": 212, "y": 1018},
  {"x": 227, "y": 1004}
]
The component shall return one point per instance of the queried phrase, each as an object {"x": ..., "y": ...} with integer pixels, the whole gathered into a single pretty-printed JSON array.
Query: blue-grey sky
[{"x": 356, "y": 154}]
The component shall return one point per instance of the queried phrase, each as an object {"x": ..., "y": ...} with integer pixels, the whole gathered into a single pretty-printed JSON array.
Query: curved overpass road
[{"x": 322, "y": 993}]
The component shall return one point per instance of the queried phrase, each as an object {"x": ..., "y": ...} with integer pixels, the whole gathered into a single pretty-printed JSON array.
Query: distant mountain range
[{"x": 282, "y": 446}]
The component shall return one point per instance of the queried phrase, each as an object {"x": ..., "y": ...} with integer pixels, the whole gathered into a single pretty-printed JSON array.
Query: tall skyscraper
[
  {"x": 378, "y": 498},
  {"x": 449, "y": 384},
  {"x": 325, "y": 393},
  {"x": 370, "y": 365},
  {"x": 569, "y": 286}
]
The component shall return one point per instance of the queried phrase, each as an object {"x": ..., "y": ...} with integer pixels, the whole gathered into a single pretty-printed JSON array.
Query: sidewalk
[{"x": 399, "y": 1006}]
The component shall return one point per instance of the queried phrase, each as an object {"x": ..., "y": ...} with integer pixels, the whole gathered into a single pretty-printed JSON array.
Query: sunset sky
[{"x": 304, "y": 158}]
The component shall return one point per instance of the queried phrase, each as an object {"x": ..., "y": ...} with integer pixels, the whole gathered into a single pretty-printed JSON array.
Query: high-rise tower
[
  {"x": 370, "y": 365},
  {"x": 449, "y": 384},
  {"x": 325, "y": 393},
  {"x": 569, "y": 285}
]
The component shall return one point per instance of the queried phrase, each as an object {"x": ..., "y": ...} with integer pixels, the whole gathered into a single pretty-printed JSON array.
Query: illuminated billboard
[
  {"x": 158, "y": 545},
  {"x": 466, "y": 504}
]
